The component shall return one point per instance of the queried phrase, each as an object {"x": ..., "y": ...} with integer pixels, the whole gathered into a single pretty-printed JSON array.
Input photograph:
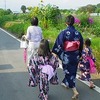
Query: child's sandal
[{"x": 91, "y": 87}]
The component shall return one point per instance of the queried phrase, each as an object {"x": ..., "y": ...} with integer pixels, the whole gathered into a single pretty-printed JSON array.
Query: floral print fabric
[
  {"x": 87, "y": 64},
  {"x": 41, "y": 78},
  {"x": 69, "y": 58}
]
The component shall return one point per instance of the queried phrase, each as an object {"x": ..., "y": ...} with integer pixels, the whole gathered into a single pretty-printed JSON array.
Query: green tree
[
  {"x": 97, "y": 10},
  {"x": 82, "y": 9},
  {"x": 23, "y": 8},
  {"x": 34, "y": 12},
  {"x": 9, "y": 11},
  {"x": 91, "y": 8},
  {"x": 5, "y": 12},
  {"x": 50, "y": 14},
  {"x": 83, "y": 19},
  {"x": 29, "y": 8},
  {"x": 2, "y": 12},
  {"x": 98, "y": 5}
]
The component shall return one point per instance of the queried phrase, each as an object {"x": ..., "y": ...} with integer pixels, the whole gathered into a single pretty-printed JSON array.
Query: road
[{"x": 14, "y": 76}]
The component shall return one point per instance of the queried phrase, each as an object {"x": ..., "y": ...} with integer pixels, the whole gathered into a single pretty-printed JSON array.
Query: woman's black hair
[
  {"x": 70, "y": 20},
  {"x": 34, "y": 21},
  {"x": 87, "y": 42},
  {"x": 44, "y": 49}
]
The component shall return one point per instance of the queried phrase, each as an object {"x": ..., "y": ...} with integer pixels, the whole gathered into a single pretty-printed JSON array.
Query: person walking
[
  {"x": 87, "y": 64},
  {"x": 68, "y": 47},
  {"x": 43, "y": 66},
  {"x": 34, "y": 36}
]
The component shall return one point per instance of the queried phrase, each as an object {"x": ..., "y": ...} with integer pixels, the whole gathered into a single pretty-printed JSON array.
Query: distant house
[{"x": 95, "y": 14}]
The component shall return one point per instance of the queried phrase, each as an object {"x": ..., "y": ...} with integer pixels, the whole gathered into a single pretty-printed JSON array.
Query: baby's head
[
  {"x": 83, "y": 55},
  {"x": 87, "y": 42}
]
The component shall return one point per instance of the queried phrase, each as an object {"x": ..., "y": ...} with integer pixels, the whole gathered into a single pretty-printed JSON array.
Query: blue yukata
[
  {"x": 84, "y": 67},
  {"x": 87, "y": 64},
  {"x": 68, "y": 47}
]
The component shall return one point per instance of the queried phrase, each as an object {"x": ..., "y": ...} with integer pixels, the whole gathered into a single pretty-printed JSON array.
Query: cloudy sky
[{"x": 15, "y": 5}]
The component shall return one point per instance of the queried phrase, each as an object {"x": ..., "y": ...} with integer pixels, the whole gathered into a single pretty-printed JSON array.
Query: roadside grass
[
  {"x": 51, "y": 34},
  {"x": 96, "y": 51},
  {"x": 11, "y": 23}
]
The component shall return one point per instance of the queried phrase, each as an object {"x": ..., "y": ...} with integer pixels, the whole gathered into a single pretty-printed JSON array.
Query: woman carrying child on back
[
  {"x": 87, "y": 63},
  {"x": 44, "y": 65}
]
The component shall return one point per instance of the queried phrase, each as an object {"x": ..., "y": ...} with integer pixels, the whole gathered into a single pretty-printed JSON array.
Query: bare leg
[{"x": 76, "y": 94}]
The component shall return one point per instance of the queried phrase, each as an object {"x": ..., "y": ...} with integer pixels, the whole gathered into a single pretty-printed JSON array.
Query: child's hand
[
  {"x": 55, "y": 55},
  {"x": 81, "y": 65},
  {"x": 23, "y": 37}
]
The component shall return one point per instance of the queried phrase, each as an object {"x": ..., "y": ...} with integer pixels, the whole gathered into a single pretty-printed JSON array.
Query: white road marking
[
  {"x": 96, "y": 87},
  {"x": 87, "y": 83},
  {"x": 10, "y": 35}
]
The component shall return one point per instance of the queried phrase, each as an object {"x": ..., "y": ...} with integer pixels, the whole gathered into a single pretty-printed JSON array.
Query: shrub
[
  {"x": 17, "y": 29},
  {"x": 5, "y": 18},
  {"x": 83, "y": 19},
  {"x": 96, "y": 48}
]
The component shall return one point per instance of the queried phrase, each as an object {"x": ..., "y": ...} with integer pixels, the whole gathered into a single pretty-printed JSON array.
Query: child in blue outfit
[
  {"x": 87, "y": 63},
  {"x": 42, "y": 69}
]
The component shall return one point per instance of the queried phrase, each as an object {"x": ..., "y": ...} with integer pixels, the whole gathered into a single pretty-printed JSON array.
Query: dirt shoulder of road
[{"x": 95, "y": 76}]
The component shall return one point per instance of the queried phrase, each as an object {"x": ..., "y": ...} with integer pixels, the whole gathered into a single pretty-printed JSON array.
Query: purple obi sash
[{"x": 71, "y": 45}]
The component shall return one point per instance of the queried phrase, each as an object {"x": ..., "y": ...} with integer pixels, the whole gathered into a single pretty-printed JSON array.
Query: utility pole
[{"x": 5, "y": 4}]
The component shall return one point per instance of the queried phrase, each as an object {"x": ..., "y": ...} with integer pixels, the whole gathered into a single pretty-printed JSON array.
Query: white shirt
[{"x": 34, "y": 34}]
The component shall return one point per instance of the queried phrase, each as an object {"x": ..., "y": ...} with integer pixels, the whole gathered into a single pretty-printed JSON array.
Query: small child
[
  {"x": 23, "y": 45},
  {"x": 87, "y": 63},
  {"x": 43, "y": 67}
]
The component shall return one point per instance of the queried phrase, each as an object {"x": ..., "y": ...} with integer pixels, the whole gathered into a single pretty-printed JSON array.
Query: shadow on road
[{"x": 6, "y": 66}]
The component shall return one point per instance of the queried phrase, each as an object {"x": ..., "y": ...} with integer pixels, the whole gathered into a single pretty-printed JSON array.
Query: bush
[
  {"x": 17, "y": 29},
  {"x": 5, "y": 18},
  {"x": 96, "y": 26},
  {"x": 83, "y": 19},
  {"x": 96, "y": 48}
]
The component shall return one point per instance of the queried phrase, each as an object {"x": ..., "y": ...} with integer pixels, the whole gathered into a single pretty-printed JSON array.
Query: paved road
[{"x": 14, "y": 76}]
